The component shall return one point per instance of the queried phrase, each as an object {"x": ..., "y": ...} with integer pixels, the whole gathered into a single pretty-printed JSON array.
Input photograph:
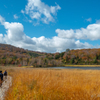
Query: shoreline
[{"x": 81, "y": 65}]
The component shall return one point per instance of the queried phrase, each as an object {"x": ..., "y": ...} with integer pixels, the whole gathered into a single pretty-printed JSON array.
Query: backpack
[{"x": 5, "y": 73}]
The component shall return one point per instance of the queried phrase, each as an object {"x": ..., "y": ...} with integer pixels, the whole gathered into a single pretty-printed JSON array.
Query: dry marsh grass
[
  {"x": 48, "y": 84},
  {"x": 82, "y": 65}
]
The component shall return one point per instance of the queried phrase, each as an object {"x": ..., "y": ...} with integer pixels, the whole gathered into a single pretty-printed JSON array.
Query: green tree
[
  {"x": 72, "y": 61},
  {"x": 62, "y": 54},
  {"x": 95, "y": 60},
  {"x": 57, "y": 56}
]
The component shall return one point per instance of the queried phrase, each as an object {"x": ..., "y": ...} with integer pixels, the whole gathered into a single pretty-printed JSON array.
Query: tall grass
[
  {"x": 48, "y": 84},
  {"x": 82, "y": 65}
]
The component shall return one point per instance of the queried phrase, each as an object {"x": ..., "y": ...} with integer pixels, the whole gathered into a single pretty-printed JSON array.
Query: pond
[{"x": 83, "y": 68}]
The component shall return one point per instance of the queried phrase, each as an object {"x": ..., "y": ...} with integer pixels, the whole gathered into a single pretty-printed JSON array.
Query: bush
[{"x": 72, "y": 61}]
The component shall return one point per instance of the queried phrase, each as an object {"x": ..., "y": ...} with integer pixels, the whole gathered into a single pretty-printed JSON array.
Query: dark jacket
[
  {"x": 5, "y": 73},
  {"x": 1, "y": 76}
]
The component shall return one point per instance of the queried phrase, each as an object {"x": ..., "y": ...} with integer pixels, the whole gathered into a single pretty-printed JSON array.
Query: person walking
[
  {"x": 5, "y": 74},
  {"x": 1, "y": 78}
]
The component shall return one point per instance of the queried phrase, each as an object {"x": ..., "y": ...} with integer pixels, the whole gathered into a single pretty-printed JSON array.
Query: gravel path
[{"x": 5, "y": 85}]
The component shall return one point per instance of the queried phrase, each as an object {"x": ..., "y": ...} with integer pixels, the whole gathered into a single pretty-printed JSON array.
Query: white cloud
[
  {"x": 30, "y": 21},
  {"x": 89, "y": 19},
  {"x": 15, "y": 34},
  {"x": 2, "y": 20},
  {"x": 22, "y": 11},
  {"x": 65, "y": 39},
  {"x": 1, "y": 38},
  {"x": 92, "y": 32},
  {"x": 57, "y": 44},
  {"x": 40, "y": 11},
  {"x": 15, "y": 16},
  {"x": 98, "y": 21}
]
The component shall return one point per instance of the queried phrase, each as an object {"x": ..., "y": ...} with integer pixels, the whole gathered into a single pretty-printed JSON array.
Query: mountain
[{"x": 11, "y": 55}]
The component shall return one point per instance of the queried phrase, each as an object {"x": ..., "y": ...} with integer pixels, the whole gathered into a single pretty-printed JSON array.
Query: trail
[{"x": 5, "y": 85}]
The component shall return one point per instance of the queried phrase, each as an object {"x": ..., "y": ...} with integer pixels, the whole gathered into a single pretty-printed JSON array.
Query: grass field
[
  {"x": 53, "y": 84},
  {"x": 82, "y": 65}
]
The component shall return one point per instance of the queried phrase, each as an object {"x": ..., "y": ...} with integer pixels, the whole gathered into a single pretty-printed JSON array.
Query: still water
[{"x": 85, "y": 68}]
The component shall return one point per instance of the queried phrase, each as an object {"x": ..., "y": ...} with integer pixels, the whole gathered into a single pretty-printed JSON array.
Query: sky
[{"x": 50, "y": 25}]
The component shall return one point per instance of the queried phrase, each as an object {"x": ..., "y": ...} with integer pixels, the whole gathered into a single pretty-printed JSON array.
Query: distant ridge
[{"x": 11, "y": 55}]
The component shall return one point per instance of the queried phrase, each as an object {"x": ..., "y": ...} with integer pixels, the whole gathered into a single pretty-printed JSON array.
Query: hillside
[
  {"x": 14, "y": 55},
  {"x": 11, "y": 55}
]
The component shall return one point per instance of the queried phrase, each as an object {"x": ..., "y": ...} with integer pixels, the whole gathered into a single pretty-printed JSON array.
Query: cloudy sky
[{"x": 50, "y": 25}]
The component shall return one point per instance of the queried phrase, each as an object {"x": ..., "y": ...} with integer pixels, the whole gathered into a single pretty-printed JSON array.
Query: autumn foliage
[{"x": 10, "y": 55}]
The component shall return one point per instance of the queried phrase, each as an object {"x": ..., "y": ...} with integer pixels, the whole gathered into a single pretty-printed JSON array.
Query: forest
[{"x": 11, "y": 55}]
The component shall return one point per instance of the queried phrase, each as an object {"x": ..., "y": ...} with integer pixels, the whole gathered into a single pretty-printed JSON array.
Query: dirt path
[{"x": 5, "y": 86}]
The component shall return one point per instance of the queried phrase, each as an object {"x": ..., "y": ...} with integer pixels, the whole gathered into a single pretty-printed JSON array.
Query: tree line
[{"x": 10, "y": 55}]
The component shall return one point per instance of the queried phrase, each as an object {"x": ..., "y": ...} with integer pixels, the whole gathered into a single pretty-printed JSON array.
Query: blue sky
[{"x": 50, "y": 25}]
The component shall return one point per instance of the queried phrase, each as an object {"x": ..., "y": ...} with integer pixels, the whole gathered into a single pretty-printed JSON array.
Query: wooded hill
[{"x": 11, "y": 55}]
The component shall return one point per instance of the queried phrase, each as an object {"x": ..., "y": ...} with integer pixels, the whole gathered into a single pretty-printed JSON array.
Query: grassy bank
[
  {"x": 82, "y": 65},
  {"x": 46, "y": 84}
]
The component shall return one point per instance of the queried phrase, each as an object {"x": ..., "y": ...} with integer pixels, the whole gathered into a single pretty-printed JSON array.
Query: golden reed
[{"x": 50, "y": 84}]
